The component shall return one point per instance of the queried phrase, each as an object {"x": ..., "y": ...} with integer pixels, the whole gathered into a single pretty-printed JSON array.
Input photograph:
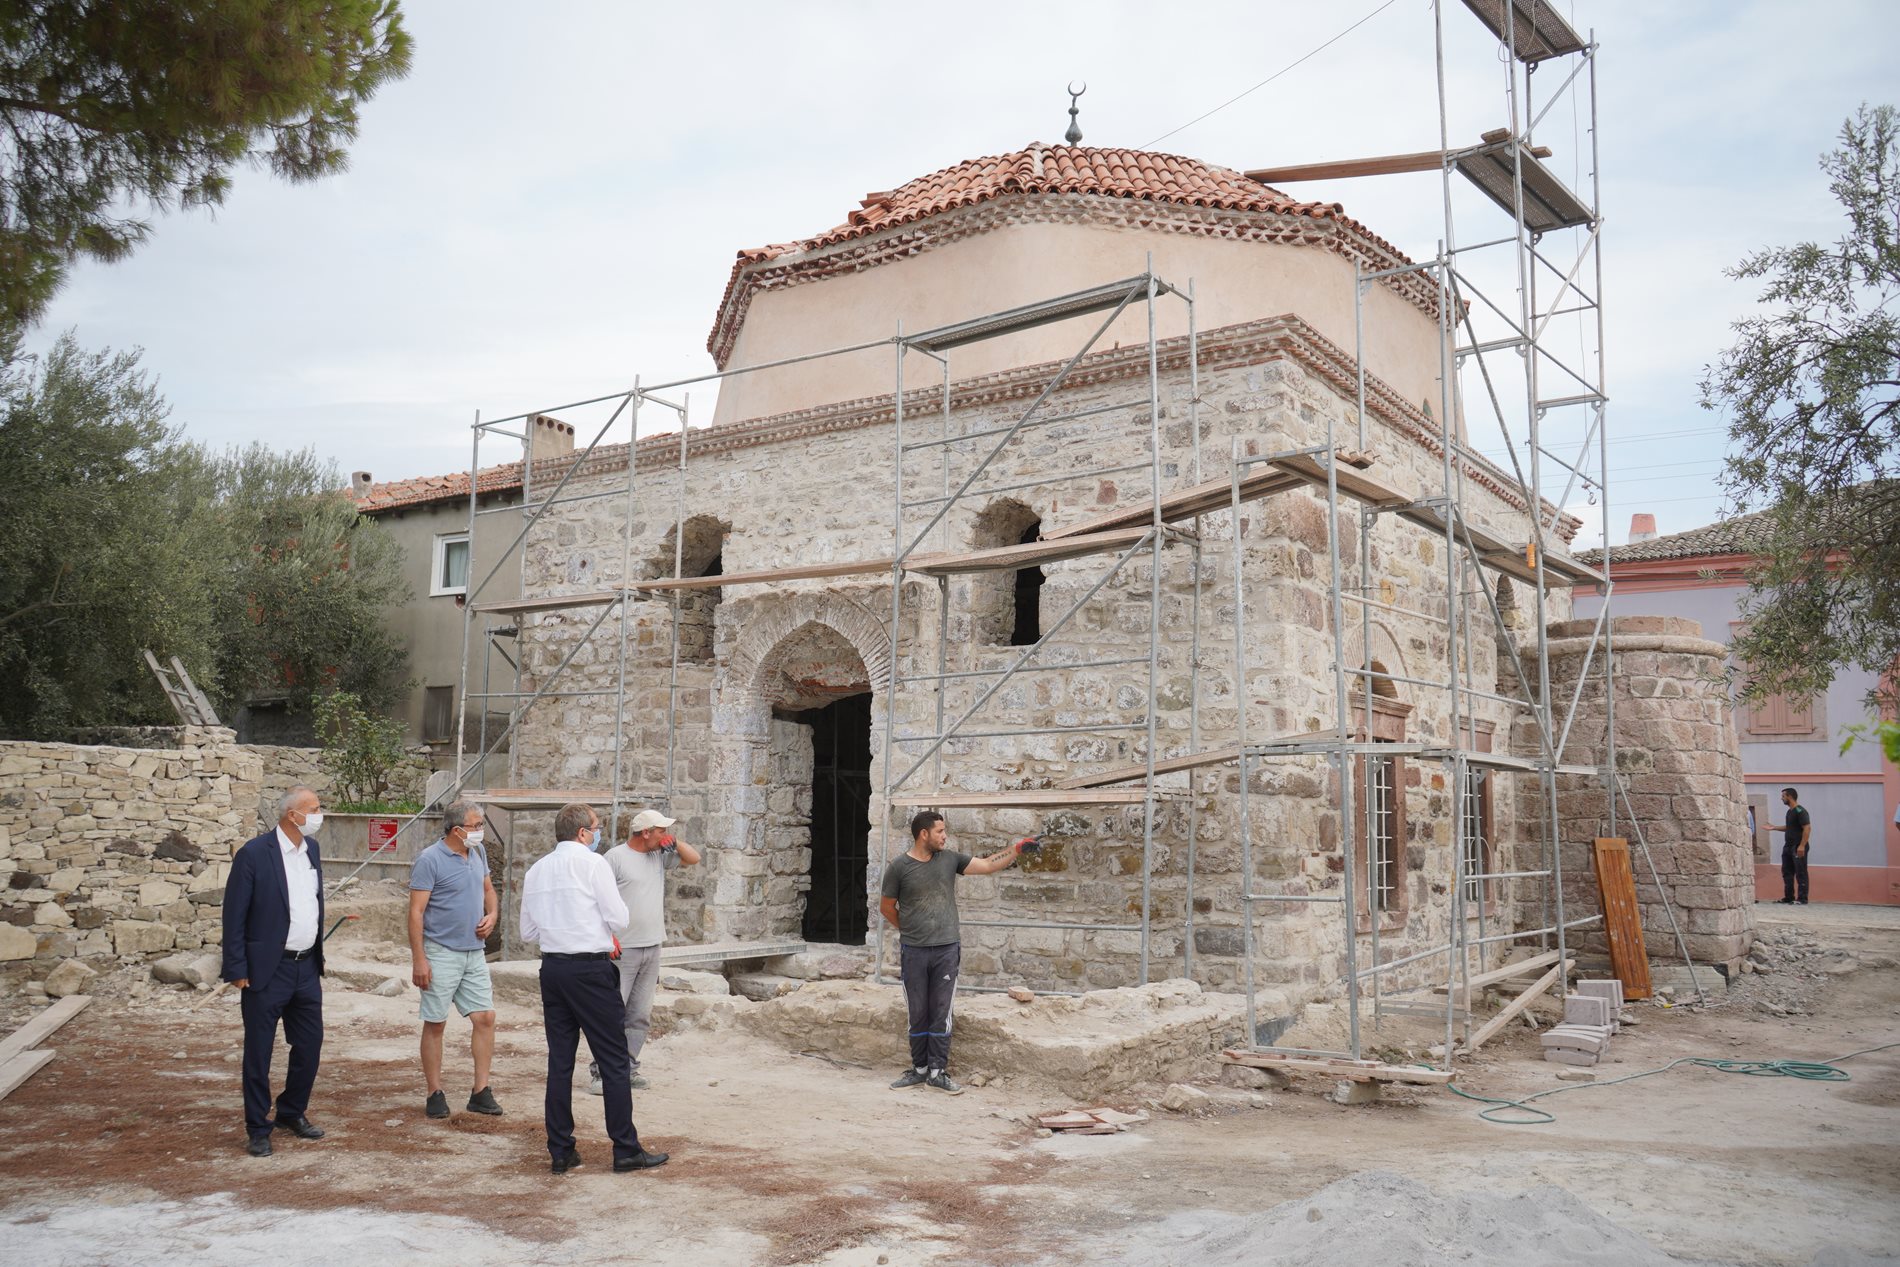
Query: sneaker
[
  {"x": 482, "y": 1101},
  {"x": 593, "y": 1084},
  {"x": 1784, "y": 901},
  {"x": 911, "y": 1078},
  {"x": 438, "y": 1104},
  {"x": 943, "y": 1082},
  {"x": 636, "y": 1083}
]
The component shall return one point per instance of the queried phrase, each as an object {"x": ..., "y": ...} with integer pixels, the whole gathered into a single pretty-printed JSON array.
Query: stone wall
[
  {"x": 284, "y": 768},
  {"x": 1676, "y": 744},
  {"x": 1270, "y": 386},
  {"x": 117, "y": 854}
]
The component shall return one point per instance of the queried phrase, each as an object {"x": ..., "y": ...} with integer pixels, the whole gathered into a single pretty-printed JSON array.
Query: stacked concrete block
[
  {"x": 1569, "y": 1044},
  {"x": 1605, "y": 988}
]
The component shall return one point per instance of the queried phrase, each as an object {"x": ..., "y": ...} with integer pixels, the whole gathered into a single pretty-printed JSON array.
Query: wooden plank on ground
[
  {"x": 1352, "y": 1070},
  {"x": 1482, "y": 979},
  {"x": 1516, "y": 1005},
  {"x": 1622, "y": 918},
  {"x": 683, "y": 953},
  {"x": 20, "y": 1068},
  {"x": 36, "y": 1031}
]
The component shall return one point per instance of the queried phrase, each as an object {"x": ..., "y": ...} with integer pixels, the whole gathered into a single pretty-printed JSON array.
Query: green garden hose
[{"x": 1806, "y": 1070}]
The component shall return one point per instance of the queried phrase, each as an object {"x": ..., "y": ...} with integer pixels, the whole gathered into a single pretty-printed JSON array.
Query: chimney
[
  {"x": 549, "y": 438},
  {"x": 1642, "y": 528},
  {"x": 360, "y": 482}
]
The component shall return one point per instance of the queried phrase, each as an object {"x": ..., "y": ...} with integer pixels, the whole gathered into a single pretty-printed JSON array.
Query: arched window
[
  {"x": 1006, "y": 607},
  {"x": 697, "y": 551}
]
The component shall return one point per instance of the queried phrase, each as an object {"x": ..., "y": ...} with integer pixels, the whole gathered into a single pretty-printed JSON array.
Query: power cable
[
  {"x": 1805, "y": 1070},
  {"x": 1270, "y": 78}
]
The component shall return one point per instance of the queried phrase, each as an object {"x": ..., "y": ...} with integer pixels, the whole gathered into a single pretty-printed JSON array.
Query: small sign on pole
[{"x": 382, "y": 835}]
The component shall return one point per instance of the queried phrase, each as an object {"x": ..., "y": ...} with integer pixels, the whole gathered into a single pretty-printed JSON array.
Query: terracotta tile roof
[
  {"x": 1744, "y": 534},
  {"x": 1051, "y": 169},
  {"x": 426, "y": 489}
]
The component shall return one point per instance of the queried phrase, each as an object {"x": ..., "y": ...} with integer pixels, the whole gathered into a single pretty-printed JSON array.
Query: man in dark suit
[{"x": 273, "y": 953}]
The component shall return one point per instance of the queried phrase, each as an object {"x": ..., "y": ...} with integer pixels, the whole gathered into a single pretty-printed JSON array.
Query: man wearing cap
[{"x": 640, "y": 868}]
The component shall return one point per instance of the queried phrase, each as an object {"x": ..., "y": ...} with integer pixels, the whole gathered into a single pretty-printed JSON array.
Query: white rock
[
  {"x": 1180, "y": 1098},
  {"x": 69, "y": 977}
]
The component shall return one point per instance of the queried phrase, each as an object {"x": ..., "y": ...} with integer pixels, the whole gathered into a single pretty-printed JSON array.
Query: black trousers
[
  {"x": 582, "y": 996},
  {"x": 1794, "y": 870},
  {"x": 293, "y": 995},
  {"x": 930, "y": 986}
]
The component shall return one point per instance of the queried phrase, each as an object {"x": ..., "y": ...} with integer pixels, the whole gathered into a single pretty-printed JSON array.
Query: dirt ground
[{"x": 127, "y": 1148}]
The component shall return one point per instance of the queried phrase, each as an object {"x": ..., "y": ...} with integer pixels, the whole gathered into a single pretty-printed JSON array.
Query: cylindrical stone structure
[{"x": 1677, "y": 750}]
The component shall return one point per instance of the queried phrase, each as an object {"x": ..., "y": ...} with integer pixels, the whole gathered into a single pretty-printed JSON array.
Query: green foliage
[
  {"x": 360, "y": 750},
  {"x": 109, "y": 106},
  {"x": 104, "y": 543},
  {"x": 1884, "y": 733},
  {"x": 115, "y": 535},
  {"x": 1812, "y": 390}
]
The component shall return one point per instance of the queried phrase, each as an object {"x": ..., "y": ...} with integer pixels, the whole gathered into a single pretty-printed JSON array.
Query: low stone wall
[
  {"x": 285, "y": 768},
  {"x": 1101, "y": 1042},
  {"x": 117, "y": 853}
]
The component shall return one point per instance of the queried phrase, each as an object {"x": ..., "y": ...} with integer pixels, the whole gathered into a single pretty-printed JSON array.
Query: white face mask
[
  {"x": 474, "y": 839},
  {"x": 312, "y": 823}
]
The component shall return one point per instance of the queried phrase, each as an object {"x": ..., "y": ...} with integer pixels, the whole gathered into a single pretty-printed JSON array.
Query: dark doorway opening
[
  {"x": 1028, "y": 630},
  {"x": 836, "y": 907}
]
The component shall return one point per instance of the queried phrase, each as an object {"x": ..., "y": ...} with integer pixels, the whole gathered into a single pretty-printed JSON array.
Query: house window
[
  {"x": 1782, "y": 717},
  {"x": 1474, "y": 836},
  {"x": 1379, "y": 830},
  {"x": 1006, "y": 606},
  {"x": 438, "y": 713},
  {"x": 450, "y": 574},
  {"x": 1383, "y": 856}
]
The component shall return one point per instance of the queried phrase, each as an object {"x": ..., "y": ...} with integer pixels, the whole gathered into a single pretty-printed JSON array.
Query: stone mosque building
[{"x": 780, "y": 703}]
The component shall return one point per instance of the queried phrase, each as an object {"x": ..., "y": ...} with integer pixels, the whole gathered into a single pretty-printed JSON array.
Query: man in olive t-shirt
[{"x": 920, "y": 901}]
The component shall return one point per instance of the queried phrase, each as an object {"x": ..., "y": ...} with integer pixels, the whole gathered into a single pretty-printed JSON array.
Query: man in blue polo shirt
[{"x": 452, "y": 909}]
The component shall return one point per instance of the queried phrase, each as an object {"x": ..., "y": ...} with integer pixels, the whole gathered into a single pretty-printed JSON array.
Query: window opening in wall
[
  {"x": 450, "y": 574},
  {"x": 701, "y": 553},
  {"x": 1474, "y": 835},
  {"x": 837, "y": 907},
  {"x": 438, "y": 713},
  {"x": 1382, "y": 824},
  {"x": 1028, "y": 623}
]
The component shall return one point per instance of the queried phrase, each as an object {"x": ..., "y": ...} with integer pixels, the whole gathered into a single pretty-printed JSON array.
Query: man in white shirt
[
  {"x": 640, "y": 869},
  {"x": 572, "y": 909},
  {"x": 273, "y": 953}
]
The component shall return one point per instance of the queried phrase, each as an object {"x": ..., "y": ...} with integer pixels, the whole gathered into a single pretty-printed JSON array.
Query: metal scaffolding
[
  {"x": 1505, "y": 348},
  {"x": 1509, "y": 348}
]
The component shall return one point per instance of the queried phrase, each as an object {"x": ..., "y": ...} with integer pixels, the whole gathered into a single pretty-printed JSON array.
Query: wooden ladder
[{"x": 190, "y": 703}]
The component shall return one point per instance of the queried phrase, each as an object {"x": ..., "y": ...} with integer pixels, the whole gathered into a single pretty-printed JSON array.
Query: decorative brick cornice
[{"x": 1344, "y": 237}]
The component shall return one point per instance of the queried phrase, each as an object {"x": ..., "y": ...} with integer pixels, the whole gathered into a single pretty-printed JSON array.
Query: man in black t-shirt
[
  {"x": 1794, "y": 848},
  {"x": 920, "y": 901}
]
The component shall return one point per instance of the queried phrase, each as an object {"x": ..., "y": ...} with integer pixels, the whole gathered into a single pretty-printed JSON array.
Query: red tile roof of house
[
  {"x": 1051, "y": 169},
  {"x": 428, "y": 489}
]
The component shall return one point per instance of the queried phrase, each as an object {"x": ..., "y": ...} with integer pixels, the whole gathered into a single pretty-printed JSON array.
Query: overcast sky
[{"x": 551, "y": 202}]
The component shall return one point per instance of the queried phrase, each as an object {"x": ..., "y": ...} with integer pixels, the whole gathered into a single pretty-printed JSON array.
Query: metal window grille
[
  {"x": 1471, "y": 837},
  {"x": 1382, "y": 848}
]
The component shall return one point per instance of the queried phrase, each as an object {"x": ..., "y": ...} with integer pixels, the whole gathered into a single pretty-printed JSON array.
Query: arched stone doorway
[{"x": 801, "y": 725}]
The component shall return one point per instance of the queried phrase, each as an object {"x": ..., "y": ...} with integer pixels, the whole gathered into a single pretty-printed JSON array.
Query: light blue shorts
[{"x": 460, "y": 976}]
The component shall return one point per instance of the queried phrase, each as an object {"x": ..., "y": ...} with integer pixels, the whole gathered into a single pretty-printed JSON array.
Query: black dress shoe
[
  {"x": 300, "y": 1127},
  {"x": 562, "y": 1165},
  {"x": 259, "y": 1146},
  {"x": 641, "y": 1160}
]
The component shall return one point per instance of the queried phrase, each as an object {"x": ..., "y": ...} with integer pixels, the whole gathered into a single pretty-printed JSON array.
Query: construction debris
[
  {"x": 18, "y": 1059},
  {"x": 1101, "y": 1121}
]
